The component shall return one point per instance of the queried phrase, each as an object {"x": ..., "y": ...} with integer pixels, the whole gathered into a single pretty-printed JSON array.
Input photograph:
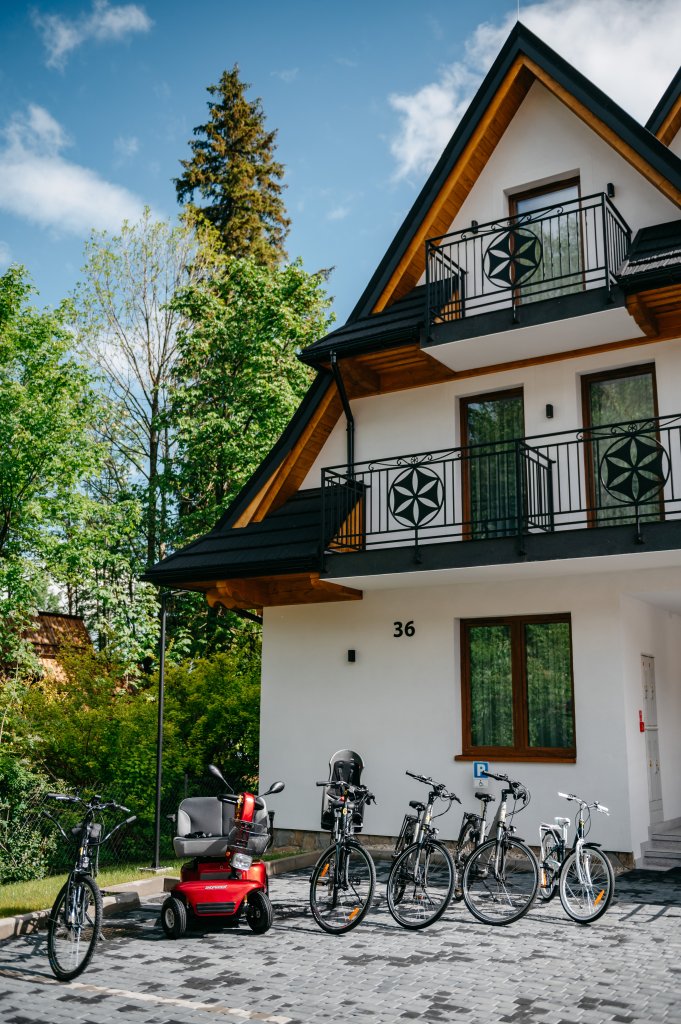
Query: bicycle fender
[{"x": 592, "y": 846}]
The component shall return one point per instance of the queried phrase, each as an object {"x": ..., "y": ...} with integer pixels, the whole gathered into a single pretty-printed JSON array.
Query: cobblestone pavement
[{"x": 544, "y": 968}]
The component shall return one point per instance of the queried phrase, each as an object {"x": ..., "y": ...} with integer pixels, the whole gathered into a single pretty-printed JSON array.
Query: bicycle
[
  {"x": 472, "y": 834},
  {"x": 422, "y": 876},
  {"x": 75, "y": 919},
  {"x": 582, "y": 874},
  {"x": 501, "y": 877},
  {"x": 344, "y": 878}
]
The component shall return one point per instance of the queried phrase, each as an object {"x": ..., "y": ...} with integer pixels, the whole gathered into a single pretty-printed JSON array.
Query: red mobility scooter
[{"x": 225, "y": 835}]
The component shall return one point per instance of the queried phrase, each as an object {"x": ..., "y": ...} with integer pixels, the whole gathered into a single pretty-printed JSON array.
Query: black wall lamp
[
  {"x": 549, "y": 411},
  {"x": 610, "y": 190}
]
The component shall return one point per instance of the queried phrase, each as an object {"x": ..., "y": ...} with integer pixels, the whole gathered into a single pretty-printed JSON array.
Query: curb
[
  {"x": 126, "y": 895},
  {"x": 26, "y": 924}
]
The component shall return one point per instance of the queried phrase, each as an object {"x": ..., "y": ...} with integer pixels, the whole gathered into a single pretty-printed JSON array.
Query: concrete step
[{"x": 671, "y": 839}]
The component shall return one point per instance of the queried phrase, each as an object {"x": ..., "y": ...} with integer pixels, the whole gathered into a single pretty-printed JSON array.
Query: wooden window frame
[
  {"x": 545, "y": 190},
  {"x": 587, "y": 379},
  {"x": 542, "y": 190},
  {"x": 520, "y": 751},
  {"x": 464, "y": 403}
]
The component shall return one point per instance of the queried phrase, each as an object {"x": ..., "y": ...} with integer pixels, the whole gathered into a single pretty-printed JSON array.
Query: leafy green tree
[
  {"x": 48, "y": 407},
  {"x": 128, "y": 329},
  {"x": 237, "y": 379},
  {"x": 233, "y": 169}
]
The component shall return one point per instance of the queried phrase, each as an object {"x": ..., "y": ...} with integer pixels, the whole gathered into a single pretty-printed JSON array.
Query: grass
[{"x": 24, "y": 897}]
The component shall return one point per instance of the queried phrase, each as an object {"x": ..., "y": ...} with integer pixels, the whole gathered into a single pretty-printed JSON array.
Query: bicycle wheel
[
  {"x": 73, "y": 928},
  {"x": 420, "y": 884},
  {"x": 549, "y": 866},
  {"x": 587, "y": 885},
  {"x": 342, "y": 887},
  {"x": 464, "y": 849},
  {"x": 500, "y": 881}
]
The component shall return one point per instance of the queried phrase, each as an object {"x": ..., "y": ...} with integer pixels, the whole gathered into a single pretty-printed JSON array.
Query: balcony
[
  {"x": 623, "y": 474},
  {"x": 505, "y": 265}
]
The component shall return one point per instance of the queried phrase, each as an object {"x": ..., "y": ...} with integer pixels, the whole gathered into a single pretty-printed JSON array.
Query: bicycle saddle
[
  {"x": 417, "y": 805},
  {"x": 486, "y": 798}
]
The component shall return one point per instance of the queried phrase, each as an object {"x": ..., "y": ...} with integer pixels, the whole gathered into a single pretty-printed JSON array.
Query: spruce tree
[{"x": 233, "y": 169}]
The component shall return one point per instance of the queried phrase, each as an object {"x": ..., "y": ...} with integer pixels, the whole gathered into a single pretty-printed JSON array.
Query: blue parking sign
[{"x": 480, "y": 780}]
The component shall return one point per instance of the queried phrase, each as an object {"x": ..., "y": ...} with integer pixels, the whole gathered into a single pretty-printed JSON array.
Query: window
[
  {"x": 610, "y": 398},
  {"x": 488, "y": 424},
  {"x": 558, "y": 229},
  {"x": 517, "y": 693}
]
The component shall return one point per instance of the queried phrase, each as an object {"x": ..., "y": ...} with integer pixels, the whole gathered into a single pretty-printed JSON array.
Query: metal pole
[{"x": 159, "y": 735}]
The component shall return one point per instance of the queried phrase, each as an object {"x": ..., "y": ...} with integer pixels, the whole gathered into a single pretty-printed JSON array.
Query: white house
[{"x": 467, "y": 543}]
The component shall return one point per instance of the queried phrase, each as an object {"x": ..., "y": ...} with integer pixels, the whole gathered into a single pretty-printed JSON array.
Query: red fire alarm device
[{"x": 641, "y": 723}]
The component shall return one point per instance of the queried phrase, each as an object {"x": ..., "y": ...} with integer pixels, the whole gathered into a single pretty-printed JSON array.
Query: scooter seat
[{"x": 210, "y": 846}]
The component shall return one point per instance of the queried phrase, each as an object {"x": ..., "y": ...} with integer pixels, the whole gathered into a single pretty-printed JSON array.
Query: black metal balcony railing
[
  {"x": 549, "y": 252},
  {"x": 607, "y": 476}
]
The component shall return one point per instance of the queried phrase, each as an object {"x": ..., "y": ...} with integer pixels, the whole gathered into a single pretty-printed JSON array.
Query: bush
[{"x": 25, "y": 845}]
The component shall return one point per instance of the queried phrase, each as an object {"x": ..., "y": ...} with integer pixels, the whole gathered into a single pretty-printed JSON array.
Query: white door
[{"x": 652, "y": 740}]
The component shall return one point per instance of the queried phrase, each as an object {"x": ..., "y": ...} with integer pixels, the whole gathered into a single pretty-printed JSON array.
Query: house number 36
[{"x": 404, "y": 628}]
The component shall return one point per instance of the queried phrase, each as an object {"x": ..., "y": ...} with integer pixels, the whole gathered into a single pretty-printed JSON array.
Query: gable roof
[
  {"x": 523, "y": 59},
  {"x": 665, "y": 120}
]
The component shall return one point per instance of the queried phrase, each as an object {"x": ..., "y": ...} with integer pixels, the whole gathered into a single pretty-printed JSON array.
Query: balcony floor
[
  {"x": 561, "y": 553},
  {"x": 492, "y": 337}
]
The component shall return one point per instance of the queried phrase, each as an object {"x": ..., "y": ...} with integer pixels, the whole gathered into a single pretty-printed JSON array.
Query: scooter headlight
[{"x": 241, "y": 861}]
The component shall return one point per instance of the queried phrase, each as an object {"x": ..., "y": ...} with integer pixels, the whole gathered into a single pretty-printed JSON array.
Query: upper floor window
[{"x": 552, "y": 214}]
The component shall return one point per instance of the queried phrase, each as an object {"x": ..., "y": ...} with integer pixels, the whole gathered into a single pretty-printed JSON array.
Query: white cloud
[
  {"x": 37, "y": 183},
  {"x": 338, "y": 213},
  {"x": 287, "y": 75},
  {"x": 104, "y": 23},
  {"x": 629, "y": 48},
  {"x": 5, "y": 255},
  {"x": 126, "y": 146}
]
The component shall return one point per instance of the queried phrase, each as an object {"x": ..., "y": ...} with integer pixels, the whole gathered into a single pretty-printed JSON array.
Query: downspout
[{"x": 350, "y": 420}]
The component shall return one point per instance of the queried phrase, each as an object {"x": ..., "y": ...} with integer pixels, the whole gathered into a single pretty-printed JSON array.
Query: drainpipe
[{"x": 335, "y": 369}]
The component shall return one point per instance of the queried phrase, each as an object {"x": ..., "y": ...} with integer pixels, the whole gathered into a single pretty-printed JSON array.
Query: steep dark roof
[
  {"x": 398, "y": 324},
  {"x": 322, "y": 382},
  {"x": 654, "y": 257},
  {"x": 286, "y": 541},
  {"x": 666, "y": 104},
  {"x": 520, "y": 42}
]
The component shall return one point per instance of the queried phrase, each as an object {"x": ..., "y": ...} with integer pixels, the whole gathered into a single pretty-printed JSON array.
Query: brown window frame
[
  {"x": 520, "y": 751},
  {"x": 541, "y": 190},
  {"x": 619, "y": 373},
  {"x": 464, "y": 403}
]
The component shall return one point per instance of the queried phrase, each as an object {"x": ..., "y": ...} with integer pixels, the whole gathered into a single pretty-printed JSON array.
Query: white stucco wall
[
  {"x": 399, "y": 704},
  {"x": 427, "y": 419},
  {"x": 651, "y": 629},
  {"x": 546, "y": 141}
]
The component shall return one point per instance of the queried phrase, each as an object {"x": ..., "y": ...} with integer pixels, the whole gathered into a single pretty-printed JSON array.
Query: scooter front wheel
[
  {"x": 259, "y": 912},
  {"x": 173, "y": 918}
]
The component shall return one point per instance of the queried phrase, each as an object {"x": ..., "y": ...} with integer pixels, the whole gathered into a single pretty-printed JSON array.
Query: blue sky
[{"x": 98, "y": 101}]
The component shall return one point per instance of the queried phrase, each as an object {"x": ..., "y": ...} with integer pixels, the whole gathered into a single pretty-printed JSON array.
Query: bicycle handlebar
[
  {"x": 439, "y": 788},
  {"x": 95, "y": 804},
  {"x": 584, "y": 803}
]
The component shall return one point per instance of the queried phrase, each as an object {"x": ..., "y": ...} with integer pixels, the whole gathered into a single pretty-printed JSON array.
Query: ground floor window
[{"x": 517, "y": 690}]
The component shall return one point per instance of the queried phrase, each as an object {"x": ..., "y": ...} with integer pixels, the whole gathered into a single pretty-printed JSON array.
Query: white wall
[
  {"x": 546, "y": 141},
  {"x": 654, "y": 630},
  {"x": 427, "y": 419},
  {"x": 399, "y": 704}
]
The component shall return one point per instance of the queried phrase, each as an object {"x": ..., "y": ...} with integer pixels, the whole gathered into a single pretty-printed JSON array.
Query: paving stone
[{"x": 544, "y": 969}]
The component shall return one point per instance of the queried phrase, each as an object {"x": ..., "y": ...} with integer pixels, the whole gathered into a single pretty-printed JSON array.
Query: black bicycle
[
  {"x": 501, "y": 877},
  {"x": 422, "y": 876},
  {"x": 344, "y": 878},
  {"x": 76, "y": 917},
  {"x": 472, "y": 834}
]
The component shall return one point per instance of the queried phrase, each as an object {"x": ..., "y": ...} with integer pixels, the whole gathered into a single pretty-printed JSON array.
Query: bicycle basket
[{"x": 249, "y": 837}]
